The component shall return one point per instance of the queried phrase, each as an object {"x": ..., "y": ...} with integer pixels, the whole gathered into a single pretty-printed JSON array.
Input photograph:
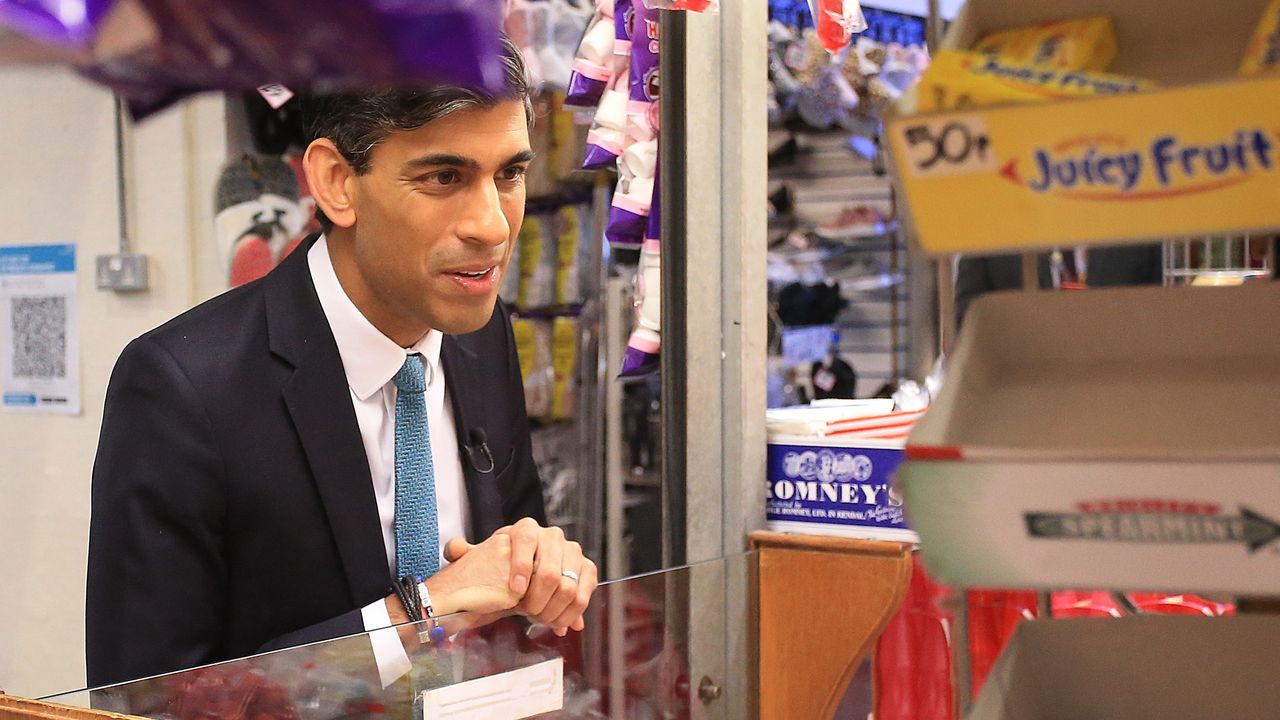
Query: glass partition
[{"x": 632, "y": 661}]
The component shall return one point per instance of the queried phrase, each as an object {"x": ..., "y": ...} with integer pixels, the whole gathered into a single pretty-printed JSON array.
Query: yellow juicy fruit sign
[{"x": 1197, "y": 161}]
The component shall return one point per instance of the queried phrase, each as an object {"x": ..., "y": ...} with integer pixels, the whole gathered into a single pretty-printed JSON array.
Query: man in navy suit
[{"x": 244, "y": 491}]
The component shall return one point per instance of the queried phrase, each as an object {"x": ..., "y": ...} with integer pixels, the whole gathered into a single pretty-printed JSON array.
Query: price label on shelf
[
  {"x": 1191, "y": 161},
  {"x": 946, "y": 146}
]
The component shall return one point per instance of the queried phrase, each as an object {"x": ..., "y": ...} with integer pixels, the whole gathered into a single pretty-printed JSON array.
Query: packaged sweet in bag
[
  {"x": 156, "y": 52},
  {"x": 564, "y": 360},
  {"x": 643, "y": 347},
  {"x": 568, "y": 229},
  {"x": 642, "y": 118},
  {"x": 837, "y": 21},
  {"x": 1087, "y": 43},
  {"x": 631, "y": 199},
  {"x": 593, "y": 66},
  {"x": 607, "y": 137}
]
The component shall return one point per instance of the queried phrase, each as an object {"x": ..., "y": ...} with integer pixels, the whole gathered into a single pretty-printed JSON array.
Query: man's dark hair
[{"x": 357, "y": 122}]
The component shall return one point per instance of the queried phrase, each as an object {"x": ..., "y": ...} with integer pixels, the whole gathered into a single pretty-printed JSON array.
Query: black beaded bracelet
[
  {"x": 411, "y": 608},
  {"x": 411, "y": 587}
]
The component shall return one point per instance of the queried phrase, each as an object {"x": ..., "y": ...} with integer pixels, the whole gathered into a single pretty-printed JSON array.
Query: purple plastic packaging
[
  {"x": 630, "y": 211},
  {"x": 638, "y": 363},
  {"x": 598, "y": 156},
  {"x": 623, "y": 25},
  {"x": 653, "y": 229},
  {"x": 626, "y": 228},
  {"x": 644, "y": 347},
  {"x": 607, "y": 135},
  {"x": 71, "y": 25},
  {"x": 584, "y": 90},
  {"x": 592, "y": 68},
  {"x": 157, "y": 51},
  {"x": 644, "y": 55},
  {"x": 642, "y": 116},
  {"x": 606, "y": 140},
  {"x": 629, "y": 215}
]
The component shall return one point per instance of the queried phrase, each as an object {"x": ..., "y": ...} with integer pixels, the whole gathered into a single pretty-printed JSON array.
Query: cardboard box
[
  {"x": 1116, "y": 438},
  {"x": 1136, "y": 668},
  {"x": 1202, "y": 157}
]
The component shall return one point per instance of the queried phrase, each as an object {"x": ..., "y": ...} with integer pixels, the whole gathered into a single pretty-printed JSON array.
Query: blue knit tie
[{"x": 417, "y": 527}]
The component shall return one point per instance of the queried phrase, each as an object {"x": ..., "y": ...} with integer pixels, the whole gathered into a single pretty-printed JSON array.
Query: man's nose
[{"x": 483, "y": 220}]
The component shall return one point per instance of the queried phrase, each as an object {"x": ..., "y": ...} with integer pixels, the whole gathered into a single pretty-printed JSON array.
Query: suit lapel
[
  {"x": 319, "y": 404},
  {"x": 467, "y": 395}
]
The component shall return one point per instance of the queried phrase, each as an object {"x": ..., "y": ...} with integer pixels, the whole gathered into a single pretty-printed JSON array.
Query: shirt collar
[{"x": 369, "y": 358}]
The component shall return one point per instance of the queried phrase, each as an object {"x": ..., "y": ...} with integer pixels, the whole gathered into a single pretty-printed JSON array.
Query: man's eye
[
  {"x": 447, "y": 177},
  {"x": 512, "y": 173}
]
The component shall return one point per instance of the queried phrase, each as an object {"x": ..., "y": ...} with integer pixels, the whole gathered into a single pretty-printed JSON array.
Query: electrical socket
[{"x": 125, "y": 272}]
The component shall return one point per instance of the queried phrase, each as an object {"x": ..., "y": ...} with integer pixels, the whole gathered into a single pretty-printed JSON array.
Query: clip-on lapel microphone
[{"x": 478, "y": 444}]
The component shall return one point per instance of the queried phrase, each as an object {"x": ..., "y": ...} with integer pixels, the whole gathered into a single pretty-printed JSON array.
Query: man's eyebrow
[
  {"x": 523, "y": 156},
  {"x": 445, "y": 159},
  {"x": 454, "y": 160}
]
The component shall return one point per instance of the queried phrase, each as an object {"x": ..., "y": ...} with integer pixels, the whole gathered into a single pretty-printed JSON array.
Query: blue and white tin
[{"x": 835, "y": 486}]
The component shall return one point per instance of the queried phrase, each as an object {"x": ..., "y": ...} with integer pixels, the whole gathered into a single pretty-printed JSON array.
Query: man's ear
[{"x": 329, "y": 175}]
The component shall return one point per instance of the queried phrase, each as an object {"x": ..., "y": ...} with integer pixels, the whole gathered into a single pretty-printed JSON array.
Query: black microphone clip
[{"x": 480, "y": 445}]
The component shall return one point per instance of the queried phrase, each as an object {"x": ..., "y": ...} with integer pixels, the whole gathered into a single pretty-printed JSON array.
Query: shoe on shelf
[
  {"x": 784, "y": 154},
  {"x": 781, "y": 203},
  {"x": 852, "y": 222}
]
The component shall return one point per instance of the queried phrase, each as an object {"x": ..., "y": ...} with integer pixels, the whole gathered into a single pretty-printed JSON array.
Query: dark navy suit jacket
[{"x": 233, "y": 510}]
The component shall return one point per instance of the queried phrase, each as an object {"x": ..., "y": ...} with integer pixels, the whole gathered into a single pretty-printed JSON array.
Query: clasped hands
[{"x": 522, "y": 569}]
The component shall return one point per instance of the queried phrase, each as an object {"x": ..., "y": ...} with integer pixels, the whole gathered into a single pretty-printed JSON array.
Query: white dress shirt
[{"x": 370, "y": 360}]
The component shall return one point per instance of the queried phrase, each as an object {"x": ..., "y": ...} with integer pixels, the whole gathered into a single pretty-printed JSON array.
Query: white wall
[{"x": 57, "y": 185}]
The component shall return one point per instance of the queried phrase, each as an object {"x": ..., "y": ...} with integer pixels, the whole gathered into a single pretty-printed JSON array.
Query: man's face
[{"x": 436, "y": 218}]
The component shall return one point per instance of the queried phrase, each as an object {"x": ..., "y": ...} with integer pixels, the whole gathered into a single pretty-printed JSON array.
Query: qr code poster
[{"x": 39, "y": 329}]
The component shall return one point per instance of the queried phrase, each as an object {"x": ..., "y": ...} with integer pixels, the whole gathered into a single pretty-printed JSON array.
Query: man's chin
[{"x": 468, "y": 319}]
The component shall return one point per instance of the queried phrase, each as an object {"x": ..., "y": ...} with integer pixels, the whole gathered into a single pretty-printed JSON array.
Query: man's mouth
[{"x": 475, "y": 279}]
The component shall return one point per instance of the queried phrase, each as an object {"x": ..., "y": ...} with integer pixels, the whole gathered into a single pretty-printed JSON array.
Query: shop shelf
[{"x": 1116, "y": 438}]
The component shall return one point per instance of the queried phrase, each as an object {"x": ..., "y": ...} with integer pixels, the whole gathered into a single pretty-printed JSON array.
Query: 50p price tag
[{"x": 947, "y": 146}]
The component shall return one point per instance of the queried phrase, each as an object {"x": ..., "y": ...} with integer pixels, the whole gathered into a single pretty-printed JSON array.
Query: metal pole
[
  {"x": 122, "y": 195},
  {"x": 1030, "y": 273},
  {"x": 594, "y": 383},
  {"x": 743, "y": 195},
  {"x": 615, "y": 565},
  {"x": 946, "y": 304},
  {"x": 616, "y": 599},
  {"x": 673, "y": 166},
  {"x": 615, "y": 474},
  {"x": 961, "y": 673},
  {"x": 933, "y": 28}
]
